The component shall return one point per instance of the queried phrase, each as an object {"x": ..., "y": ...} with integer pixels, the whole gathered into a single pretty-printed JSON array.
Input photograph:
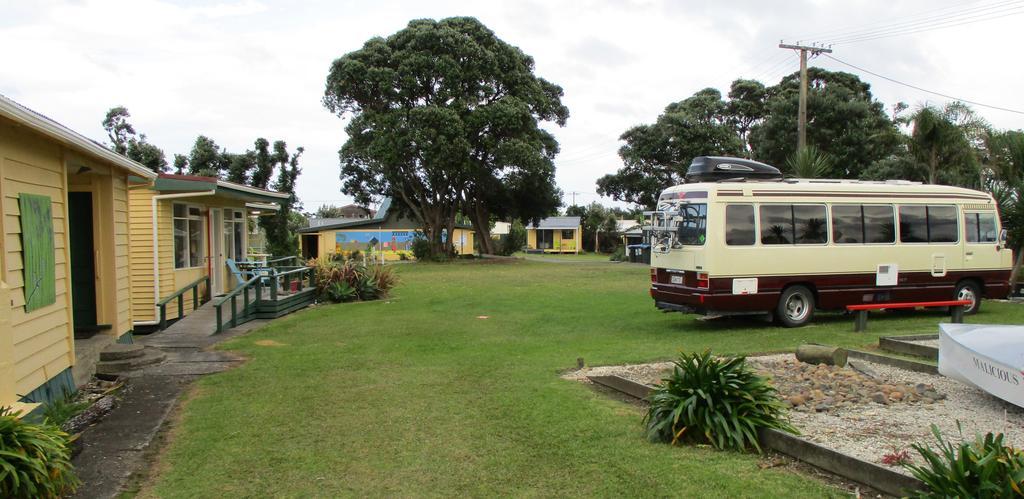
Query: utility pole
[{"x": 801, "y": 123}]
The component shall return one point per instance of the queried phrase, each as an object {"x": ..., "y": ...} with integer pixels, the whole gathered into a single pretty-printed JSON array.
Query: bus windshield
[{"x": 680, "y": 224}]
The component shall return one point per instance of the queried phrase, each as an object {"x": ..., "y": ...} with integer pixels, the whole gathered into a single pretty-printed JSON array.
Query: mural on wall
[
  {"x": 37, "y": 249},
  {"x": 391, "y": 241}
]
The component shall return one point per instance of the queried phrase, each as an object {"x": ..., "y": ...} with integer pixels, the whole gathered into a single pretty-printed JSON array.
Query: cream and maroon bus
[{"x": 737, "y": 238}]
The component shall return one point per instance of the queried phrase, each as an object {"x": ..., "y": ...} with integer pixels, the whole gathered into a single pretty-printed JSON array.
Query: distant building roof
[
  {"x": 628, "y": 227},
  {"x": 557, "y": 223},
  {"x": 501, "y": 228}
]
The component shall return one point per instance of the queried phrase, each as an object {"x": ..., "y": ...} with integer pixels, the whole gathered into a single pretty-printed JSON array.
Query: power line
[
  {"x": 917, "y": 19},
  {"x": 932, "y": 27},
  {"x": 975, "y": 103}
]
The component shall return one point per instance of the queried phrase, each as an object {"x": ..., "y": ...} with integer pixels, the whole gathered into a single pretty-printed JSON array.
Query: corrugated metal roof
[
  {"x": 557, "y": 223},
  {"x": 56, "y": 131}
]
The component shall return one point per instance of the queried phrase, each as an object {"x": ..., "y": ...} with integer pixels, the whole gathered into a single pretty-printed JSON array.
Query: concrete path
[{"x": 116, "y": 448}]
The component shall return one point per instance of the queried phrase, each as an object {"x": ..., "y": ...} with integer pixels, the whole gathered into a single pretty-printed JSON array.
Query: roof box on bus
[{"x": 724, "y": 169}]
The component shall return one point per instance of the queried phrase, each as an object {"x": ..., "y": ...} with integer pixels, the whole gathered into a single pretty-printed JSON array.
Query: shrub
[
  {"x": 352, "y": 280},
  {"x": 982, "y": 469},
  {"x": 717, "y": 401},
  {"x": 63, "y": 408},
  {"x": 35, "y": 460},
  {"x": 340, "y": 291},
  {"x": 420, "y": 247},
  {"x": 619, "y": 255},
  {"x": 515, "y": 240}
]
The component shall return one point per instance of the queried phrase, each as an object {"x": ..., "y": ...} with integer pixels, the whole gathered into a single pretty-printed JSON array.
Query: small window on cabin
[
  {"x": 942, "y": 227},
  {"x": 980, "y": 227},
  {"x": 739, "y": 225},
  {"x": 568, "y": 234},
  {"x": 913, "y": 224},
  {"x": 776, "y": 224},
  {"x": 847, "y": 224},
  {"x": 987, "y": 232},
  {"x": 810, "y": 224},
  {"x": 879, "y": 224}
]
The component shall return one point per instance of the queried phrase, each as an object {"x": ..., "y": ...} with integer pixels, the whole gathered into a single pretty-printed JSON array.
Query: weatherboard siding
[{"x": 41, "y": 341}]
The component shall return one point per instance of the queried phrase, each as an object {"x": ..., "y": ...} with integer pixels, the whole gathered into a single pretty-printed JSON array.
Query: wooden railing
[
  {"x": 281, "y": 262},
  {"x": 180, "y": 296},
  {"x": 278, "y": 286}
]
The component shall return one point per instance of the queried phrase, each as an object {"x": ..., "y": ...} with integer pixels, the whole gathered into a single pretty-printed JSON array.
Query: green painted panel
[{"x": 37, "y": 250}]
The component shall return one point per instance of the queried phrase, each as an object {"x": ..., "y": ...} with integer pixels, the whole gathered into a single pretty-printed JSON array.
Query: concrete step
[
  {"x": 150, "y": 356},
  {"x": 118, "y": 351}
]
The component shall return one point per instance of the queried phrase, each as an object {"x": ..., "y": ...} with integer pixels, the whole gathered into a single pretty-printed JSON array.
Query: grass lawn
[{"x": 417, "y": 396}]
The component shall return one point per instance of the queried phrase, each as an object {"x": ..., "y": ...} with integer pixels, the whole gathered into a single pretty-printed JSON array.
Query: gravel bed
[
  {"x": 930, "y": 343},
  {"x": 867, "y": 429}
]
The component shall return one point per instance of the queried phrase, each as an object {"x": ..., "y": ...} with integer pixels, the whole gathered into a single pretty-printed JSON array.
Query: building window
[
  {"x": 234, "y": 234},
  {"x": 189, "y": 236},
  {"x": 980, "y": 227},
  {"x": 739, "y": 225},
  {"x": 568, "y": 234}
]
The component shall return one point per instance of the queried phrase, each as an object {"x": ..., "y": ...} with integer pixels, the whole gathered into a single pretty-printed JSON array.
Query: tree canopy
[
  {"x": 125, "y": 141},
  {"x": 444, "y": 119}
]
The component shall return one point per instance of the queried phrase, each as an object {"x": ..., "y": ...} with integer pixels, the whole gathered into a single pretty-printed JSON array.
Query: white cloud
[{"x": 239, "y": 70}]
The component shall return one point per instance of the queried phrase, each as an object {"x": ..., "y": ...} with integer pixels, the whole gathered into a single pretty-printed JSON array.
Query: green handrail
[
  {"x": 180, "y": 295},
  {"x": 254, "y": 286}
]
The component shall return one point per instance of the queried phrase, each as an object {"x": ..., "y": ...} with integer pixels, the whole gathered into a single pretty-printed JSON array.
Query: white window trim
[{"x": 202, "y": 245}]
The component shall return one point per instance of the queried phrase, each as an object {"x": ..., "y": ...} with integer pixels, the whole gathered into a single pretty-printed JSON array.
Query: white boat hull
[{"x": 990, "y": 357}]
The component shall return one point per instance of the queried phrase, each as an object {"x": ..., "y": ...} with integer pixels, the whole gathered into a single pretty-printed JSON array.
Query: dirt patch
[{"x": 270, "y": 343}]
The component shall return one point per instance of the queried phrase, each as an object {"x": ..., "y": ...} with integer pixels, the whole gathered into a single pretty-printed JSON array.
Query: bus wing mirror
[{"x": 1002, "y": 238}]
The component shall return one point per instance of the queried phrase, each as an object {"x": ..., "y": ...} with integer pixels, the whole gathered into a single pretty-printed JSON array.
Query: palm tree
[
  {"x": 948, "y": 135},
  {"x": 1007, "y": 187},
  {"x": 809, "y": 162}
]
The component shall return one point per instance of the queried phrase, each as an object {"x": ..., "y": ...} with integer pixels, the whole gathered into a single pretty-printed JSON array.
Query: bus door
[{"x": 981, "y": 240}]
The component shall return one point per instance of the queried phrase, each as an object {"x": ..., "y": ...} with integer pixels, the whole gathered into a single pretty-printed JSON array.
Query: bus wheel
[
  {"x": 796, "y": 306},
  {"x": 968, "y": 290}
]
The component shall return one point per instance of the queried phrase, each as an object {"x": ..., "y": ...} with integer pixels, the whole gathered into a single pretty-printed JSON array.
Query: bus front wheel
[
  {"x": 796, "y": 306},
  {"x": 969, "y": 290}
]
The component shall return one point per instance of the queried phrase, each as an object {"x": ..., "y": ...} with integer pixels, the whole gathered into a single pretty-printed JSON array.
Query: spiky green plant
[
  {"x": 341, "y": 291},
  {"x": 984, "y": 468},
  {"x": 714, "y": 400},
  {"x": 35, "y": 459},
  {"x": 809, "y": 162}
]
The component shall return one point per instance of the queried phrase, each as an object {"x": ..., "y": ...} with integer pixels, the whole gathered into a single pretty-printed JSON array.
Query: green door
[{"x": 83, "y": 260}]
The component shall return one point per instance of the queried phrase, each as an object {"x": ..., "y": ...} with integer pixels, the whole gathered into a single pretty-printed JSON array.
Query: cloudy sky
[{"x": 237, "y": 70}]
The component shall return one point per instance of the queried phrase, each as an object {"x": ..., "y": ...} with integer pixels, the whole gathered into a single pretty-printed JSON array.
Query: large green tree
[
  {"x": 844, "y": 121},
  {"x": 125, "y": 141},
  {"x": 1006, "y": 184},
  {"x": 444, "y": 119},
  {"x": 657, "y": 155}
]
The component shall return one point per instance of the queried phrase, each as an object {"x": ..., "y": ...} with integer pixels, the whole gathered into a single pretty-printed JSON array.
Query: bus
[{"x": 739, "y": 239}]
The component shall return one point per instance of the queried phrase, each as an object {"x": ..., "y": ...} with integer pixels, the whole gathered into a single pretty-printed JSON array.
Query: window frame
[
  {"x": 793, "y": 231},
  {"x": 957, "y": 216},
  {"x": 725, "y": 226},
  {"x": 978, "y": 215},
  {"x": 232, "y": 218},
  {"x": 201, "y": 255}
]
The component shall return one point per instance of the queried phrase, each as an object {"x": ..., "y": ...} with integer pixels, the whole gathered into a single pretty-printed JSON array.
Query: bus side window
[
  {"x": 913, "y": 224},
  {"x": 847, "y": 224},
  {"x": 942, "y": 224},
  {"x": 980, "y": 227},
  {"x": 776, "y": 224},
  {"x": 811, "y": 227},
  {"x": 879, "y": 224},
  {"x": 739, "y": 225},
  {"x": 971, "y": 227}
]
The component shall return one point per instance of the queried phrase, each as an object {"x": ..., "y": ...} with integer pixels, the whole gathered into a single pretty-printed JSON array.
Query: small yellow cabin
[
  {"x": 555, "y": 235},
  {"x": 385, "y": 235},
  {"x": 185, "y": 228},
  {"x": 64, "y": 256}
]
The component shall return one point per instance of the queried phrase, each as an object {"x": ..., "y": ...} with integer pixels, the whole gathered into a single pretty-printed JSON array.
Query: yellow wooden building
[
  {"x": 64, "y": 255},
  {"x": 555, "y": 235},
  {"x": 185, "y": 228},
  {"x": 386, "y": 235}
]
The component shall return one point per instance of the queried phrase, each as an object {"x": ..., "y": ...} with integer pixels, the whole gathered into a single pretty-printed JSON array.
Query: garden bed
[{"x": 865, "y": 410}]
